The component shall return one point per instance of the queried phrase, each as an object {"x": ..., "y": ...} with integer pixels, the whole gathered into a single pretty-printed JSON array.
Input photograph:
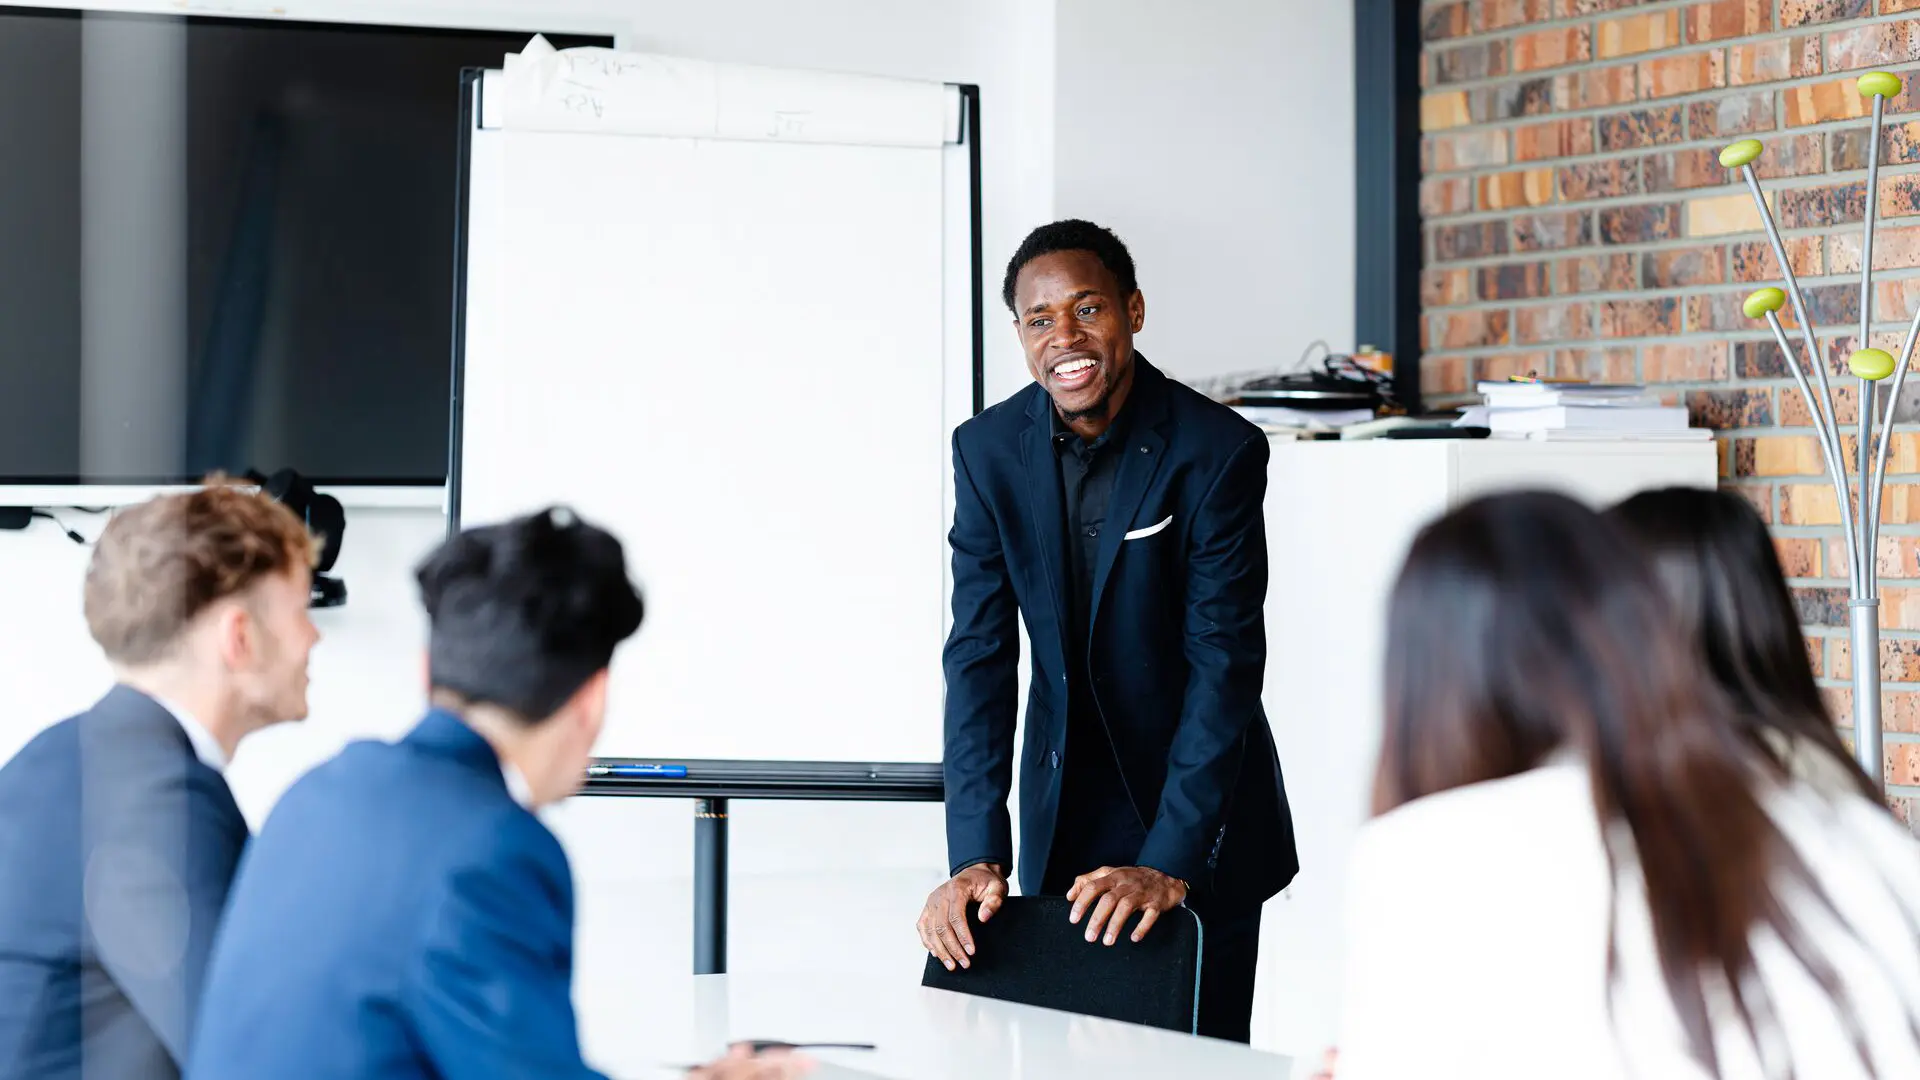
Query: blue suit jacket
[
  {"x": 117, "y": 846},
  {"x": 1177, "y": 647},
  {"x": 399, "y": 915}
]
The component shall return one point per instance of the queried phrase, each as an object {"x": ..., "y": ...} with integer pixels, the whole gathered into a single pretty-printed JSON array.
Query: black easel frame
[{"x": 713, "y": 785}]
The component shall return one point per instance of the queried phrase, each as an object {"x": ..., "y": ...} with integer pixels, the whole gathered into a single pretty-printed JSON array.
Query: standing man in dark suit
[
  {"x": 118, "y": 835},
  {"x": 1119, "y": 513}
]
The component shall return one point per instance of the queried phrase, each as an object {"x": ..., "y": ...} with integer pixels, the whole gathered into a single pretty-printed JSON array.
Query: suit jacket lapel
[
  {"x": 1049, "y": 508},
  {"x": 131, "y": 707},
  {"x": 1139, "y": 460}
]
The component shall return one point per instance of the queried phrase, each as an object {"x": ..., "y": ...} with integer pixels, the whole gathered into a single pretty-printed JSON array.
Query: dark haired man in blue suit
[
  {"x": 1120, "y": 514},
  {"x": 403, "y": 914}
]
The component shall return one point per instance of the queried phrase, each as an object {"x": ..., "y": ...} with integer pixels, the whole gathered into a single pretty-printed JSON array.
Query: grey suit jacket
[{"x": 117, "y": 846}]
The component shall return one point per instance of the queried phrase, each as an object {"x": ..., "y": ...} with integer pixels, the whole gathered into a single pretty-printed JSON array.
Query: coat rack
[{"x": 1859, "y": 517}]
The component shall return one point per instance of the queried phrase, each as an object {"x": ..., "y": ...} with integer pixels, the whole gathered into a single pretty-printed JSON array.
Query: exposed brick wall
[{"x": 1578, "y": 223}]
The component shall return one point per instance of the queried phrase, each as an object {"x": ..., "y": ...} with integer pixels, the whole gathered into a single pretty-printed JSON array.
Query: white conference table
[{"x": 919, "y": 1034}]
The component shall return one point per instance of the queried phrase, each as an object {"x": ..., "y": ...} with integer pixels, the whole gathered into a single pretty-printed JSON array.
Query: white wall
[
  {"x": 366, "y": 672},
  {"x": 1216, "y": 138},
  {"x": 1166, "y": 120}
]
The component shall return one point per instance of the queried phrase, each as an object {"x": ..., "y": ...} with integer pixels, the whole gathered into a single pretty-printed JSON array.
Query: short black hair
[
  {"x": 1072, "y": 234},
  {"x": 523, "y": 613}
]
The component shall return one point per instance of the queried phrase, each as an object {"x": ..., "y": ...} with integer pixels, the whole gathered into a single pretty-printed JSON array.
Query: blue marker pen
[{"x": 672, "y": 772}]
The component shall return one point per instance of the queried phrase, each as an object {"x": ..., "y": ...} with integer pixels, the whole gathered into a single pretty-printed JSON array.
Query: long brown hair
[
  {"x": 1713, "y": 554},
  {"x": 1526, "y": 623}
]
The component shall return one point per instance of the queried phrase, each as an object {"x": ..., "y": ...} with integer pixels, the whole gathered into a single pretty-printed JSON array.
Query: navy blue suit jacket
[
  {"x": 399, "y": 916},
  {"x": 1177, "y": 646},
  {"x": 117, "y": 846}
]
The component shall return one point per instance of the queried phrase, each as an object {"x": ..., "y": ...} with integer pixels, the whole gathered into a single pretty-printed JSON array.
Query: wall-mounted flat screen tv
[{"x": 228, "y": 244}]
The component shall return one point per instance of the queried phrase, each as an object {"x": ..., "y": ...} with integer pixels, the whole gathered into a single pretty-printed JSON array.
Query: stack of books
[{"x": 1531, "y": 409}]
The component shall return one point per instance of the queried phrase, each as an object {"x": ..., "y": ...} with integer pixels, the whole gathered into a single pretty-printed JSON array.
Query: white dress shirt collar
[
  {"x": 517, "y": 786},
  {"x": 205, "y": 746}
]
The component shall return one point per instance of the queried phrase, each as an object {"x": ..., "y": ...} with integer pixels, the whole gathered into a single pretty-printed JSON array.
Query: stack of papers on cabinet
[{"x": 1544, "y": 410}]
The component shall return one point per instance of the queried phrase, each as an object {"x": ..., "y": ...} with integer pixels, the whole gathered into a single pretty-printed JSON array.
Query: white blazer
[{"x": 1477, "y": 943}]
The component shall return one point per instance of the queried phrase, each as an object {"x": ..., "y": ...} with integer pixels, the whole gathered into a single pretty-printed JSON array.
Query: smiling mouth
[{"x": 1076, "y": 372}]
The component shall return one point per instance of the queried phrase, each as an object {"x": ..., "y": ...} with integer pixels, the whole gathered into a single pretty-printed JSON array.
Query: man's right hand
[
  {"x": 741, "y": 1063},
  {"x": 943, "y": 922}
]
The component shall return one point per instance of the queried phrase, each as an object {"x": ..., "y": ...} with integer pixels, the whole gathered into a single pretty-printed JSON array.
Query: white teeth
[{"x": 1073, "y": 367}]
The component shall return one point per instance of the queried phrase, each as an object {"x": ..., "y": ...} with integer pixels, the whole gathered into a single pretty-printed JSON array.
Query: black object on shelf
[
  {"x": 1437, "y": 433},
  {"x": 325, "y": 517},
  {"x": 1338, "y": 383},
  {"x": 1308, "y": 396}
]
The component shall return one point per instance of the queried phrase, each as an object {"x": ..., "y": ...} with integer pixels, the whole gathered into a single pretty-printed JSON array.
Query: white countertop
[{"x": 920, "y": 1034}]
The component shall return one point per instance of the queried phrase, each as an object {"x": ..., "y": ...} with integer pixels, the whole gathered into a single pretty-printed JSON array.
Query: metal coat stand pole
[{"x": 1859, "y": 518}]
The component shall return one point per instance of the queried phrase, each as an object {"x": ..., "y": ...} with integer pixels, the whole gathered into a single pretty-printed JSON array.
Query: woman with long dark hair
[
  {"x": 1582, "y": 865},
  {"x": 1717, "y": 562}
]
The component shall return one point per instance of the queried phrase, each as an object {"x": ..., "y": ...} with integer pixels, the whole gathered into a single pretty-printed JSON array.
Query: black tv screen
[{"x": 228, "y": 245}]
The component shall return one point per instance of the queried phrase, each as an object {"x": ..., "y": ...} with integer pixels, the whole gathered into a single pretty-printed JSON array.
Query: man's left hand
[{"x": 1115, "y": 893}]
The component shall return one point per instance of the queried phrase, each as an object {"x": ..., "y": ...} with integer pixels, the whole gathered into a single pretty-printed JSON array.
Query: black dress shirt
[{"x": 1093, "y": 793}]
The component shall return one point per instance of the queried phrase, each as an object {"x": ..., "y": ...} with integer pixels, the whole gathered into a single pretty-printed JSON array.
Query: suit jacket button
[{"x": 1053, "y": 759}]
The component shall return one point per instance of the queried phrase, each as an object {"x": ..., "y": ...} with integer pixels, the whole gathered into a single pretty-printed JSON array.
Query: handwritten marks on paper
[
  {"x": 602, "y": 90},
  {"x": 787, "y": 125},
  {"x": 584, "y": 103}
]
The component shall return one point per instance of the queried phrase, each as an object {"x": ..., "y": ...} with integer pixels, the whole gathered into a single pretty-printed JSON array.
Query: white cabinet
[{"x": 1340, "y": 516}]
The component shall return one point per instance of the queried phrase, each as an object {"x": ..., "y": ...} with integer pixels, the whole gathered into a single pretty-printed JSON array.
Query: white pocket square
[{"x": 1149, "y": 530}]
